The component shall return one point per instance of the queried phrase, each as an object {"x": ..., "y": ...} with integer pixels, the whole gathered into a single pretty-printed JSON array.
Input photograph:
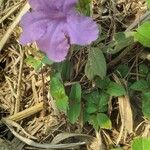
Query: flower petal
[
  {"x": 54, "y": 44},
  {"x": 52, "y": 4},
  {"x": 46, "y": 4},
  {"x": 82, "y": 30},
  {"x": 34, "y": 26},
  {"x": 39, "y": 4},
  {"x": 69, "y": 4}
]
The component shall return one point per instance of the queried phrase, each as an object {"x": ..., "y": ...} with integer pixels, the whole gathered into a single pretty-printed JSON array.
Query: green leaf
[
  {"x": 103, "y": 102},
  {"x": 143, "y": 69},
  {"x": 123, "y": 70},
  {"x": 86, "y": 116},
  {"x": 31, "y": 61},
  {"x": 46, "y": 60},
  {"x": 100, "y": 120},
  {"x": 92, "y": 102},
  {"x": 84, "y": 7},
  {"x": 141, "y": 144},
  {"x": 115, "y": 89},
  {"x": 96, "y": 102},
  {"x": 94, "y": 122},
  {"x": 75, "y": 93},
  {"x": 58, "y": 93},
  {"x": 148, "y": 3},
  {"x": 74, "y": 103},
  {"x": 146, "y": 104},
  {"x": 121, "y": 40},
  {"x": 143, "y": 34},
  {"x": 148, "y": 79},
  {"x": 66, "y": 70},
  {"x": 102, "y": 83},
  {"x": 140, "y": 85},
  {"x": 92, "y": 108},
  {"x": 103, "y": 121},
  {"x": 92, "y": 98},
  {"x": 117, "y": 148},
  {"x": 96, "y": 64}
]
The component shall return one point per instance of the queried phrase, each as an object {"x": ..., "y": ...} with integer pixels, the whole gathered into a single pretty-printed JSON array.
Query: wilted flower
[{"x": 54, "y": 25}]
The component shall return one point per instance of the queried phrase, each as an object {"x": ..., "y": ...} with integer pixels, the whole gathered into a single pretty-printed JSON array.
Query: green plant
[
  {"x": 96, "y": 107},
  {"x": 143, "y": 86},
  {"x": 142, "y": 34},
  {"x": 74, "y": 103},
  {"x": 141, "y": 144}
]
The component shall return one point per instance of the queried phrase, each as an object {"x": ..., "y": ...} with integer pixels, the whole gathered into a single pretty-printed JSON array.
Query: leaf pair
[
  {"x": 143, "y": 86},
  {"x": 70, "y": 105},
  {"x": 96, "y": 106}
]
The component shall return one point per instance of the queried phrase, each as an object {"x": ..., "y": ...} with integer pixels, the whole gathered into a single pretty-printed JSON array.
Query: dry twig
[{"x": 4, "y": 39}]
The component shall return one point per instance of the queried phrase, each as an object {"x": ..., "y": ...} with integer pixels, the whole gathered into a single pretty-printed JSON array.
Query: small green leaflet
[
  {"x": 120, "y": 41},
  {"x": 143, "y": 69},
  {"x": 84, "y": 7},
  {"x": 58, "y": 93},
  {"x": 148, "y": 79},
  {"x": 143, "y": 34},
  {"x": 140, "y": 85},
  {"x": 96, "y": 102},
  {"x": 92, "y": 101},
  {"x": 148, "y": 3},
  {"x": 115, "y": 89},
  {"x": 100, "y": 120},
  {"x": 37, "y": 63},
  {"x": 103, "y": 121},
  {"x": 93, "y": 121},
  {"x": 91, "y": 108},
  {"x": 96, "y": 64},
  {"x": 123, "y": 70},
  {"x": 102, "y": 83},
  {"x": 31, "y": 61},
  {"x": 117, "y": 148},
  {"x": 141, "y": 144},
  {"x": 46, "y": 60},
  {"x": 146, "y": 104},
  {"x": 74, "y": 103},
  {"x": 103, "y": 102},
  {"x": 66, "y": 70}
]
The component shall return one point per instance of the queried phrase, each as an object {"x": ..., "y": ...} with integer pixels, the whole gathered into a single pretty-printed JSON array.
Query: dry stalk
[
  {"x": 125, "y": 114},
  {"x": 17, "y": 104},
  {"x": 12, "y": 10},
  {"x": 27, "y": 112},
  {"x": 44, "y": 146},
  {"x": 14, "y": 124},
  {"x": 4, "y": 39},
  {"x": 99, "y": 140}
]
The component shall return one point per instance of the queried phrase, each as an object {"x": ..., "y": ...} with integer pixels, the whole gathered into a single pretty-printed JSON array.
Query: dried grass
[{"x": 21, "y": 88}]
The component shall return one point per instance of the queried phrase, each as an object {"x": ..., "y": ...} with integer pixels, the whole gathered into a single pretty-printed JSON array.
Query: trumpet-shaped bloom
[{"x": 54, "y": 25}]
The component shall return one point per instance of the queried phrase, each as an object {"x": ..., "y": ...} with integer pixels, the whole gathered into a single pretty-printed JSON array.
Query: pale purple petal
[
  {"x": 39, "y": 4},
  {"x": 34, "y": 26},
  {"x": 68, "y": 4},
  {"x": 51, "y": 8},
  {"x": 54, "y": 44},
  {"x": 46, "y": 4},
  {"x": 82, "y": 30}
]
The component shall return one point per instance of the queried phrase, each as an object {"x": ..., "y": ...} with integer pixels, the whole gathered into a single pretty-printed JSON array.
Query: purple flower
[{"x": 54, "y": 25}]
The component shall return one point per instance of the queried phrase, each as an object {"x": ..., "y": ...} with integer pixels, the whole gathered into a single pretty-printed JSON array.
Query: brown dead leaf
[{"x": 126, "y": 113}]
